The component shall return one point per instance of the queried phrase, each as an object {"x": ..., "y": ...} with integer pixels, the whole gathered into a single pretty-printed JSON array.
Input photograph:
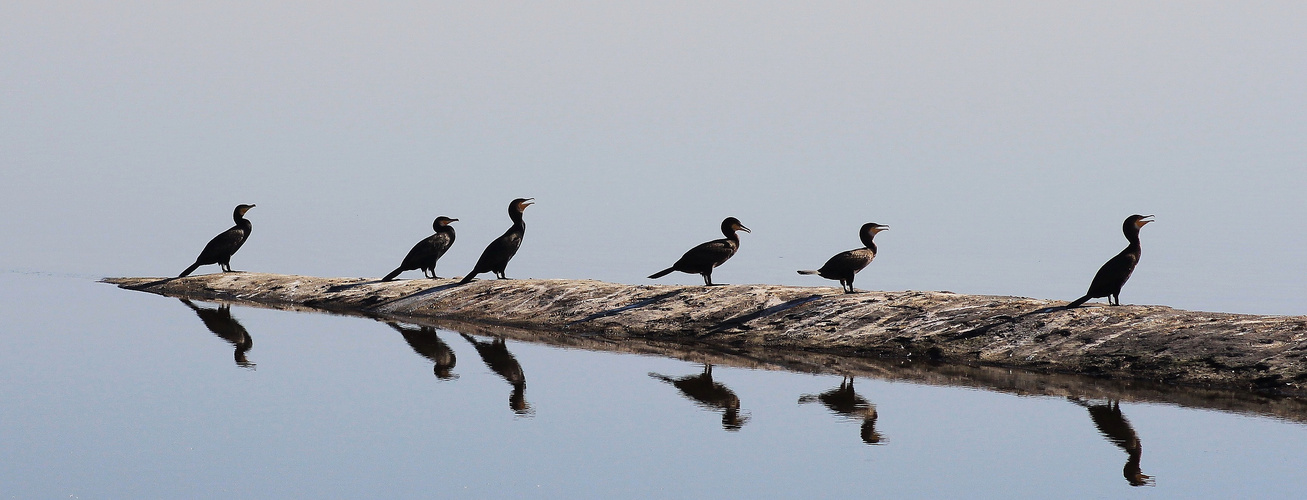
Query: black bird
[
  {"x": 710, "y": 395},
  {"x": 844, "y": 401},
  {"x": 703, "y": 258},
  {"x": 496, "y": 356},
  {"x": 845, "y": 264},
  {"x": 1113, "y": 425},
  {"x": 222, "y": 246},
  {"x": 426, "y": 252},
  {"x": 496, "y": 255},
  {"x": 1113, "y": 275},
  {"x": 221, "y": 323},
  {"x": 427, "y": 343}
]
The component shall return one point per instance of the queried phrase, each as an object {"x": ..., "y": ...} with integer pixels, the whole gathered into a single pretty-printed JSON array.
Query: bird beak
[
  {"x": 527, "y": 203},
  {"x": 453, "y": 220},
  {"x": 745, "y": 229},
  {"x": 1141, "y": 222}
]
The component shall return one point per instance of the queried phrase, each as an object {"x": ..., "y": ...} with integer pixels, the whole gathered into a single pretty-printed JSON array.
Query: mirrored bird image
[
  {"x": 426, "y": 342},
  {"x": 220, "y": 321},
  {"x": 845, "y": 402},
  {"x": 710, "y": 395},
  {"x": 496, "y": 357},
  {"x": 1113, "y": 425}
]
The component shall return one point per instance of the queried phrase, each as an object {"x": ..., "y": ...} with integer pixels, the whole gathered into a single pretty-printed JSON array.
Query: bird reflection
[
  {"x": 427, "y": 343},
  {"x": 843, "y": 401},
  {"x": 220, "y": 322},
  {"x": 1114, "y": 426},
  {"x": 496, "y": 356},
  {"x": 709, "y": 394}
]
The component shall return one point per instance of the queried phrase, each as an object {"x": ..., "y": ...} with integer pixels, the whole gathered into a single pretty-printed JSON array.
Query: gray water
[{"x": 116, "y": 394}]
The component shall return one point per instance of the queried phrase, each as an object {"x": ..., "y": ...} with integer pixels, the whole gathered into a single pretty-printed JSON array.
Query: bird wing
[
  {"x": 714, "y": 252},
  {"x": 430, "y": 248},
  {"x": 223, "y": 245},
  {"x": 849, "y": 260},
  {"x": 1113, "y": 275},
  {"x": 501, "y": 250}
]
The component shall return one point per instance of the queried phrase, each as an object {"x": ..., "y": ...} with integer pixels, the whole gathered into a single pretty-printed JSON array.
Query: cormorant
[
  {"x": 845, "y": 264},
  {"x": 703, "y": 258},
  {"x": 426, "y": 252},
  {"x": 496, "y": 255},
  {"x": 222, "y": 246},
  {"x": 1113, "y": 275},
  {"x": 710, "y": 395},
  {"x": 844, "y": 401}
]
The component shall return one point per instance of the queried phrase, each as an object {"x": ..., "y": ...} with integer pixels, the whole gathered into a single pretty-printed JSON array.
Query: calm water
[{"x": 117, "y": 394}]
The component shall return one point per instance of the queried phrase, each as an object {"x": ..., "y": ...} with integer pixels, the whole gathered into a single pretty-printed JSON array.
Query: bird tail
[
  {"x": 1077, "y": 302},
  {"x": 393, "y": 274},
  {"x": 662, "y": 273},
  {"x": 188, "y": 270},
  {"x": 468, "y": 279},
  {"x": 807, "y": 271}
]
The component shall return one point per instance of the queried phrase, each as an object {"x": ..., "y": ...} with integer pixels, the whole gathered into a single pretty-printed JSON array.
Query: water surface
[{"x": 112, "y": 393}]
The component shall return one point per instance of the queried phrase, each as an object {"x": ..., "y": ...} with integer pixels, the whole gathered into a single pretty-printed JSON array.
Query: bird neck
[
  {"x": 517, "y": 218},
  {"x": 866, "y": 240},
  {"x": 1132, "y": 235}
]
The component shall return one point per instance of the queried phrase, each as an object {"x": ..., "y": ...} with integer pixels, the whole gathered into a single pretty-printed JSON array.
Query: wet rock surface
[{"x": 1164, "y": 346}]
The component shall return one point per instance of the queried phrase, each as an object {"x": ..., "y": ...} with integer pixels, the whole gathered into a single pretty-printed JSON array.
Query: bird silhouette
[
  {"x": 427, "y": 343},
  {"x": 1112, "y": 424},
  {"x": 220, "y": 321},
  {"x": 844, "y": 401},
  {"x": 496, "y": 356},
  {"x": 710, "y": 395}
]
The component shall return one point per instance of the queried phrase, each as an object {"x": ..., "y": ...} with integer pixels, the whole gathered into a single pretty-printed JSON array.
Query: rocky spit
[{"x": 1255, "y": 363}]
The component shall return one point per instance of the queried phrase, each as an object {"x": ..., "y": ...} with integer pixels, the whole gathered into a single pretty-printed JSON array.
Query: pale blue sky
[{"x": 1003, "y": 142}]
